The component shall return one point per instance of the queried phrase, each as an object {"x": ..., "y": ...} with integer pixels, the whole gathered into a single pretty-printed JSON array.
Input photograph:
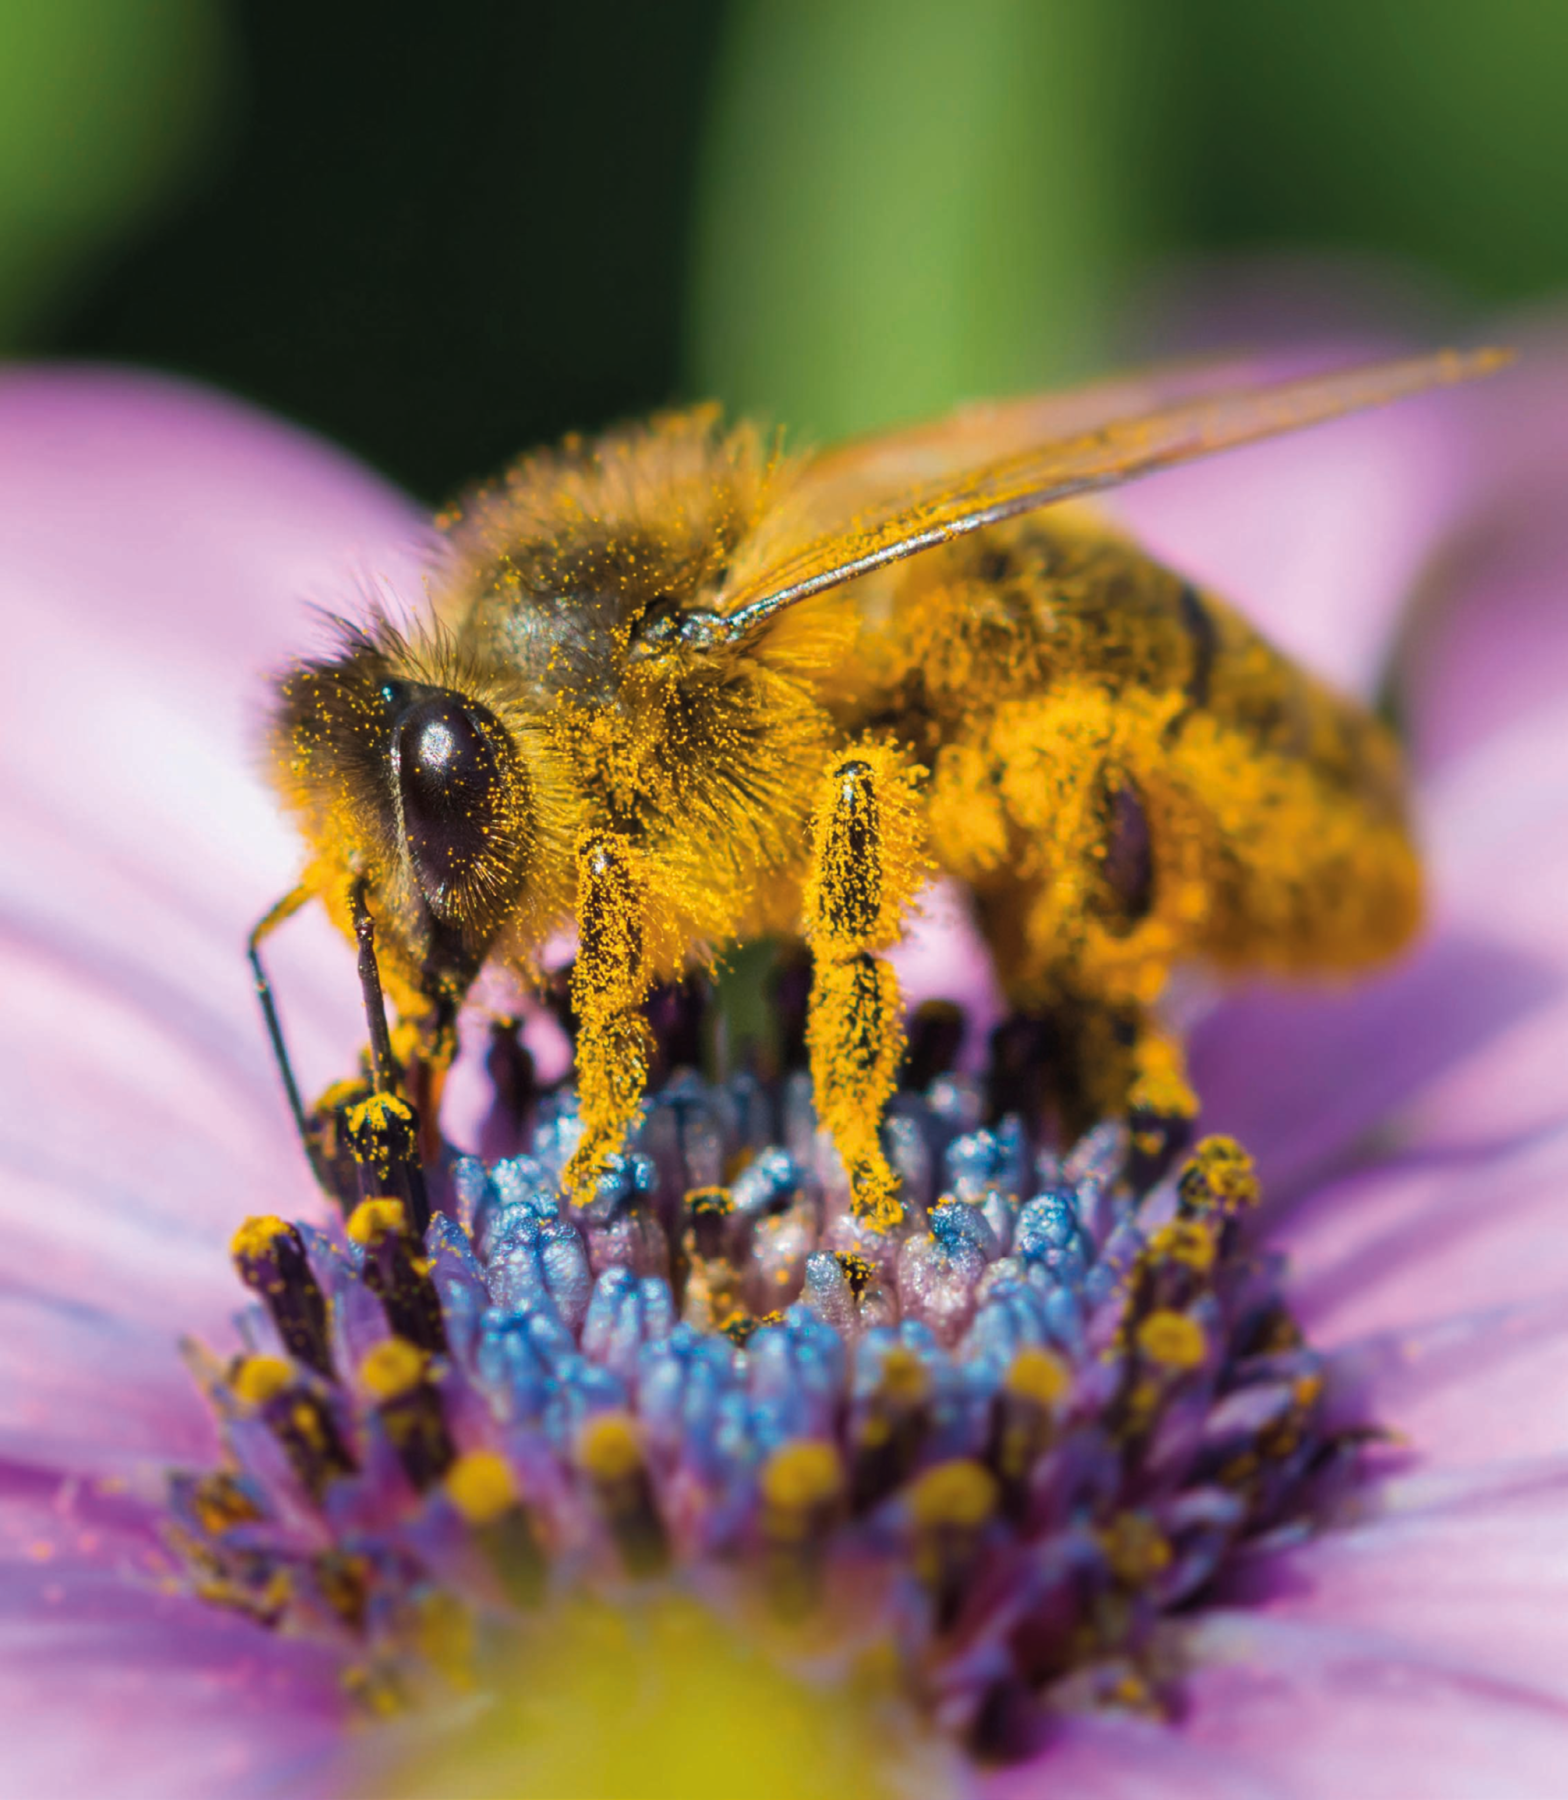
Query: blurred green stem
[
  {"x": 106, "y": 110},
  {"x": 908, "y": 202}
]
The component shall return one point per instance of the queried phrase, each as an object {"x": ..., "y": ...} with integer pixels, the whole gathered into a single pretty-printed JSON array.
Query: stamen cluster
[{"x": 1002, "y": 1441}]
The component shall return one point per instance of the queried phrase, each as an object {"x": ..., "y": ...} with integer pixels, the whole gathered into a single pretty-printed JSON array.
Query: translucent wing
[{"x": 873, "y": 501}]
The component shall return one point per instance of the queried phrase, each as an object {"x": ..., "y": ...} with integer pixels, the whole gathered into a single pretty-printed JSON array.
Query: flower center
[{"x": 996, "y": 1446}]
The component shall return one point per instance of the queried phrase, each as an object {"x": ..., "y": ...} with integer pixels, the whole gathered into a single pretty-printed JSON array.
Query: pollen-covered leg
[
  {"x": 1161, "y": 1106},
  {"x": 609, "y": 983},
  {"x": 866, "y": 865}
]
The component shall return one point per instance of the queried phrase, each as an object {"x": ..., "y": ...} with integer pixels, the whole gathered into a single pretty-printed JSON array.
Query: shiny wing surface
[{"x": 878, "y": 500}]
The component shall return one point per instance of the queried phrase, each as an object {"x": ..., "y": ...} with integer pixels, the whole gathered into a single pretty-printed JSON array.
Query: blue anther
[
  {"x": 518, "y": 1357},
  {"x": 768, "y": 1183},
  {"x": 624, "y": 1314},
  {"x": 524, "y": 1181},
  {"x": 956, "y": 1224},
  {"x": 563, "y": 1267},
  {"x": 583, "y": 1388},
  {"x": 1048, "y": 1235},
  {"x": 971, "y": 1163},
  {"x": 684, "y": 1382},
  {"x": 795, "y": 1375},
  {"x": 1012, "y": 1317},
  {"x": 460, "y": 1280},
  {"x": 473, "y": 1190}
]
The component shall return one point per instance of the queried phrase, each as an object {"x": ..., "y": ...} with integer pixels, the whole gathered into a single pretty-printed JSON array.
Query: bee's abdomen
[{"x": 1136, "y": 768}]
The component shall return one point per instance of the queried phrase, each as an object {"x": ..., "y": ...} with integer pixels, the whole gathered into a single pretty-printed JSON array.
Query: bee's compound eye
[{"x": 446, "y": 754}]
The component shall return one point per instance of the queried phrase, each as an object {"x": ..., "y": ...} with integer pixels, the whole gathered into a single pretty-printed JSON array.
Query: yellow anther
[
  {"x": 1186, "y": 1241},
  {"x": 858, "y": 1270},
  {"x": 380, "y": 1113},
  {"x": 1160, "y": 1084},
  {"x": 220, "y": 1503},
  {"x": 372, "y": 1220},
  {"x": 958, "y": 1495},
  {"x": 1219, "y": 1173},
  {"x": 341, "y": 1093},
  {"x": 904, "y": 1377},
  {"x": 394, "y": 1367},
  {"x": 710, "y": 1200},
  {"x": 256, "y": 1236},
  {"x": 1172, "y": 1339},
  {"x": 481, "y": 1486},
  {"x": 1039, "y": 1376},
  {"x": 1135, "y": 1548},
  {"x": 608, "y": 1449},
  {"x": 801, "y": 1477},
  {"x": 376, "y": 1689},
  {"x": 258, "y": 1378}
]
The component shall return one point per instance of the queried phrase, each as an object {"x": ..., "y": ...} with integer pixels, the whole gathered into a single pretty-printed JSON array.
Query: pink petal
[
  {"x": 1490, "y": 640},
  {"x": 110, "y": 1686},
  {"x": 156, "y": 547}
]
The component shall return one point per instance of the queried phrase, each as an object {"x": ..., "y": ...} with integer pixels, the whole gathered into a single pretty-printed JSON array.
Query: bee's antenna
[{"x": 260, "y": 932}]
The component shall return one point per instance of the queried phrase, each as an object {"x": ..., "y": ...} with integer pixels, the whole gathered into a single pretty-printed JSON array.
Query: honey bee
[{"x": 687, "y": 691}]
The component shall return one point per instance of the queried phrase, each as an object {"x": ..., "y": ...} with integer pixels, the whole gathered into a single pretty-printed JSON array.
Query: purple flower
[{"x": 154, "y": 546}]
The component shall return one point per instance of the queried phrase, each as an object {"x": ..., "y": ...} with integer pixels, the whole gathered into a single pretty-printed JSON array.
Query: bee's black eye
[{"x": 446, "y": 752}]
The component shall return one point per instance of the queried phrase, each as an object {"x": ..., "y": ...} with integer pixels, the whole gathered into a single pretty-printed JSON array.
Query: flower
[{"x": 155, "y": 542}]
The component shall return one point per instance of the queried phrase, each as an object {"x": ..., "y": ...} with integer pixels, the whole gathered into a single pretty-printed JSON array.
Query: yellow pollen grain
[
  {"x": 1307, "y": 1391},
  {"x": 958, "y": 1494},
  {"x": 1186, "y": 1241},
  {"x": 1222, "y": 1174},
  {"x": 857, "y": 1270},
  {"x": 1172, "y": 1339},
  {"x": 373, "y": 1220},
  {"x": 607, "y": 1448},
  {"x": 1160, "y": 1086},
  {"x": 379, "y": 1111},
  {"x": 394, "y": 1367},
  {"x": 341, "y": 1093},
  {"x": 259, "y": 1378},
  {"x": 1038, "y": 1376},
  {"x": 481, "y": 1487},
  {"x": 903, "y": 1378},
  {"x": 256, "y": 1236},
  {"x": 221, "y": 1503},
  {"x": 801, "y": 1477},
  {"x": 1135, "y": 1548}
]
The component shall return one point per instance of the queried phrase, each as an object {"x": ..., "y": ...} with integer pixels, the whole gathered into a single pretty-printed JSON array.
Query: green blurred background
[{"x": 440, "y": 233}]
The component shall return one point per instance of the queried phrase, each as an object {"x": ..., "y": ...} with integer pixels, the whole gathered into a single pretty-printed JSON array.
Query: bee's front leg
[
  {"x": 866, "y": 864},
  {"x": 609, "y": 985}
]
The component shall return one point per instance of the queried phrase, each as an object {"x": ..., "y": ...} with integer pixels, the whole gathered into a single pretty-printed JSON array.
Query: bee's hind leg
[
  {"x": 866, "y": 864},
  {"x": 609, "y": 984},
  {"x": 1161, "y": 1105}
]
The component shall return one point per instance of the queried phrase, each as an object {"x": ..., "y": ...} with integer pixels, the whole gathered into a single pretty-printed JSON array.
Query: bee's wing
[
  {"x": 880, "y": 464},
  {"x": 874, "y": 501}
]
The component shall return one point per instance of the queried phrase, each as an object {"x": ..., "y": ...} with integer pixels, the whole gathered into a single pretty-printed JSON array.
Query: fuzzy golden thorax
[{"x": 586, "y": 576}]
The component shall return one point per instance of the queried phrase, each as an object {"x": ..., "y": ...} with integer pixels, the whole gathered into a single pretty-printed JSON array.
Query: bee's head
[{"x": 440, "y": 793}]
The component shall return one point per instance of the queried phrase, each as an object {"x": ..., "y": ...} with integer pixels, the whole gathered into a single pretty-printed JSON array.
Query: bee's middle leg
[
  {"x": 609, "y": 984},
  {"x": 866, "y": 863}
]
